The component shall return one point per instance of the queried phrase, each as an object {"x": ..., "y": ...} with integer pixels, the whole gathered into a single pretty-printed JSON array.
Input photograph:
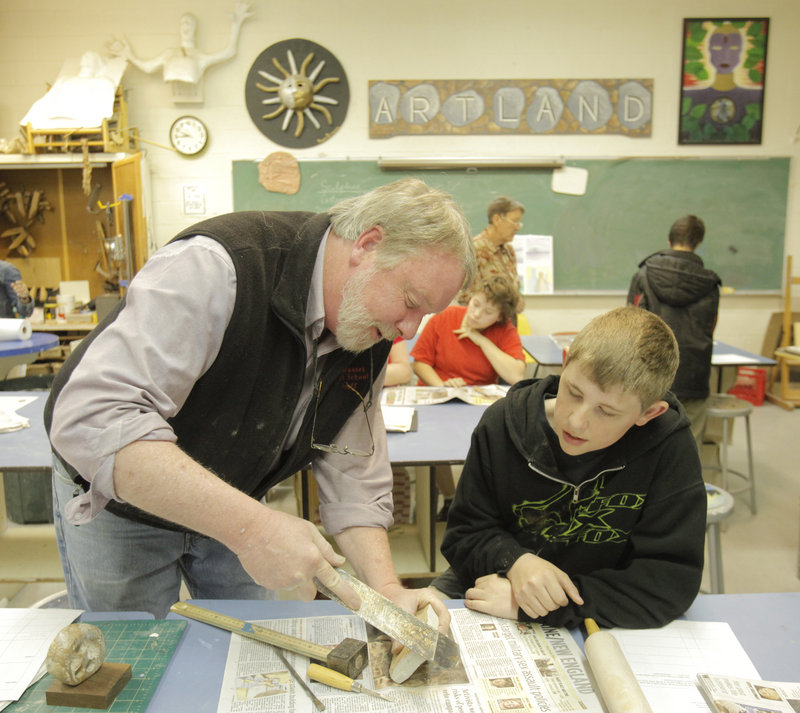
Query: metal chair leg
[
  {"x": 715, "y": 559},
  {"x": 750, "y": 469}
]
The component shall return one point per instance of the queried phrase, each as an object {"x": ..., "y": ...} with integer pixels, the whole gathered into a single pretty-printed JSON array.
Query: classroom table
[
  {"x": 765, "y": 624},
  {"x": 32, "y": 547},
  {"x": 443, "y": 435},
  {"x": 442, "y": 438},
  {"x": 547, "y": 353},
  {"x": 24, "y": 351},
  {"x": 28, "y": 448}
]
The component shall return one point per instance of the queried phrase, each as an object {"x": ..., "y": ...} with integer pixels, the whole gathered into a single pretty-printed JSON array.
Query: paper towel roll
[{"x": 14, "y": 329}]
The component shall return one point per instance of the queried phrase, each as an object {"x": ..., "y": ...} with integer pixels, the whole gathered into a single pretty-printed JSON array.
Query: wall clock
[
  {"x": 188, "y": 135},
  {"x": 297, "y": 93}
]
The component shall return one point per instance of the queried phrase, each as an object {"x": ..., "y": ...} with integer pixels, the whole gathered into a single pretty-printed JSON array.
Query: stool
[
  {"x": 720, "y": 506},
  {"x": 726, "y": 407}
]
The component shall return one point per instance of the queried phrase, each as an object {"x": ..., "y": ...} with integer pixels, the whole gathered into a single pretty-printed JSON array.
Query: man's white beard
[{"x": 355, "y": 324}]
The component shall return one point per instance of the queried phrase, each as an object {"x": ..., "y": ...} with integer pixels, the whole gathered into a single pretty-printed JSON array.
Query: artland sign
[{"x": 514, "y": 106}]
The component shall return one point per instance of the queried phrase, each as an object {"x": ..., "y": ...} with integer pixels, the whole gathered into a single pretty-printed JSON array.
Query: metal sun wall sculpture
[{"x": 297, "y": 93}]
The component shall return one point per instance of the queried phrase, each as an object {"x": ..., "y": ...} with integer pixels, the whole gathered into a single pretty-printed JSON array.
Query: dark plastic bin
[
  {"x": 29, "y": 495},
  {"x": 34, "y": 382}
]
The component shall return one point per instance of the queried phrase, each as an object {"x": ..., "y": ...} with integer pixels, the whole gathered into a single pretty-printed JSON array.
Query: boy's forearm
[{"x": 475, "y": 546}]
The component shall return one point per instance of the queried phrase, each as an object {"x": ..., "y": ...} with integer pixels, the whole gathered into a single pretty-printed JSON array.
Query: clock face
[
  {"x": 297, "y": 93},
  {"x": 188, "y": 135}
]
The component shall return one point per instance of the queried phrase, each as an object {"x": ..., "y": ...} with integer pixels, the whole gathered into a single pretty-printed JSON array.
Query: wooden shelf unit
[{"x": 67, "y": 243}]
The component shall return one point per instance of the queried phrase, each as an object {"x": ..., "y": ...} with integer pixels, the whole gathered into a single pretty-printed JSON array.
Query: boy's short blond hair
[{"x": 631, "y": 347}]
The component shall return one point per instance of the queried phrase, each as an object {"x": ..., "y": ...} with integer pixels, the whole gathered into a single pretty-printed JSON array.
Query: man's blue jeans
[{"x": 114, "y": 564}]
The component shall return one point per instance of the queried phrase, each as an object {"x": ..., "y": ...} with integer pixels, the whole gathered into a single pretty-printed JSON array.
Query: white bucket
[{"x": 65, "y": 304}]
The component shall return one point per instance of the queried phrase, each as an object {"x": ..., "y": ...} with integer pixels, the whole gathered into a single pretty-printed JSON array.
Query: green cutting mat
[{"x": 147, "y": 645}]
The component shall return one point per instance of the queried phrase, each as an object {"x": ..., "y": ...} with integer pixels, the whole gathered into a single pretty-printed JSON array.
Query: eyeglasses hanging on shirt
[{"x": 365, "y": 405}]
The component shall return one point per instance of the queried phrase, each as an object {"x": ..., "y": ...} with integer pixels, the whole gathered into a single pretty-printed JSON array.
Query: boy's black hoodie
[{"x": 631, "y": 534}]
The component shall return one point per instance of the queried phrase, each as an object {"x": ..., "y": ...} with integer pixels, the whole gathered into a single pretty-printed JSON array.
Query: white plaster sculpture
[
  {"x": 185, "y": 63},
  {"x": 81, "y": 97}
]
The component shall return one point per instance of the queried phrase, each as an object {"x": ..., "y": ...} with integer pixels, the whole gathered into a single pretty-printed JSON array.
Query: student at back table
[
  {"x": 581, "y": 495},
  {"x": 674, "y": 284},
  {"x": 470, "y": 345},
  {"x": 473, "y": 344}
]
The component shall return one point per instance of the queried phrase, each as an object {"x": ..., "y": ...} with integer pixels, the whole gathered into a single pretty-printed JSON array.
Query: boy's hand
[
  {"x": 492, "y": 595},
  {"x": 412, "y": 600},
  {"x": 540, "y": 587}
]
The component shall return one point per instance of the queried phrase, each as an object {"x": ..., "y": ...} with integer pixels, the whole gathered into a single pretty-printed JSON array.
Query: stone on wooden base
[{"x": 97, "y": 691}]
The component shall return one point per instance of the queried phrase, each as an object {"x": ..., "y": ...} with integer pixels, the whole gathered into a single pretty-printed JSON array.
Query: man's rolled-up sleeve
[{"x": 139, "y": 371}]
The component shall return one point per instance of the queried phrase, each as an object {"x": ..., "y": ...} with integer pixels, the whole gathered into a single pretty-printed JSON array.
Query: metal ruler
[{"x": 318, "y": 652}]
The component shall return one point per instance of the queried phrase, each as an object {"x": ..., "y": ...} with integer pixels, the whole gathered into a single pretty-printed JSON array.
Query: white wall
[{"x": 414, "y": 39}]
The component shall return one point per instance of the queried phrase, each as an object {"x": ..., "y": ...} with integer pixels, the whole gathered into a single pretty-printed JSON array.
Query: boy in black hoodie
[
  {"x": 675, "y": 285},
  {"x": 581, "y": 495}
]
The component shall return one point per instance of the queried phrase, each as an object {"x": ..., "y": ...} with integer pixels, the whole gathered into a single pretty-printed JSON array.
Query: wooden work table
[{"x": 78, "y": 326}]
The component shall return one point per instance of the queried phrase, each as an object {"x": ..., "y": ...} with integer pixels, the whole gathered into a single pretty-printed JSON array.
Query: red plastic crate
[{"x": 750, "y": 385}]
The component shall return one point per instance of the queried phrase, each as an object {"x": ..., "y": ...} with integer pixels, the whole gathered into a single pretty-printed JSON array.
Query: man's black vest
[{"x": 237, "y": 414}]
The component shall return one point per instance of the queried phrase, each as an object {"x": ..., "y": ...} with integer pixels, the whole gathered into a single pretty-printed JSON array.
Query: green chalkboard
[{"x": 599, "y": 237}]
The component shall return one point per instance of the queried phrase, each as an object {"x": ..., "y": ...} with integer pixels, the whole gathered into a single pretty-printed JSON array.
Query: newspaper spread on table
[
  {"x": 426, "y": 395},
  {"x": 506, "y": 665},
  {"x": 728, "y": 694}
]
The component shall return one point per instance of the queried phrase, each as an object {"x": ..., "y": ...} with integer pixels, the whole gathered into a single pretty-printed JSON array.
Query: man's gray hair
[{"x": 413, "y": 217}]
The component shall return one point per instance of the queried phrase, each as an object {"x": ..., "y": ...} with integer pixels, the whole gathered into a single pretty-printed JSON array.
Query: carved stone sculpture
[{"x": 76, "y": 653}]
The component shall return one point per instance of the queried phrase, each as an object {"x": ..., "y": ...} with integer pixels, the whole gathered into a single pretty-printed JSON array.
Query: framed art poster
[{"x": 722, "y": 89}]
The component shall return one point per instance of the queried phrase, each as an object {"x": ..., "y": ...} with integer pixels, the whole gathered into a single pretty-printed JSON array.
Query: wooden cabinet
[{"x": 68, "y": 243}]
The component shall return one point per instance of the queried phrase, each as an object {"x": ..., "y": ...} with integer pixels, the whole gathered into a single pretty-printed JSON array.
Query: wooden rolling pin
[{"x": 618, "y": 686}]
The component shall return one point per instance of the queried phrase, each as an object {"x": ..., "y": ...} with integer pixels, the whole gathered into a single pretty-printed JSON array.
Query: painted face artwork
[{"x": 725, "y": 50}]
